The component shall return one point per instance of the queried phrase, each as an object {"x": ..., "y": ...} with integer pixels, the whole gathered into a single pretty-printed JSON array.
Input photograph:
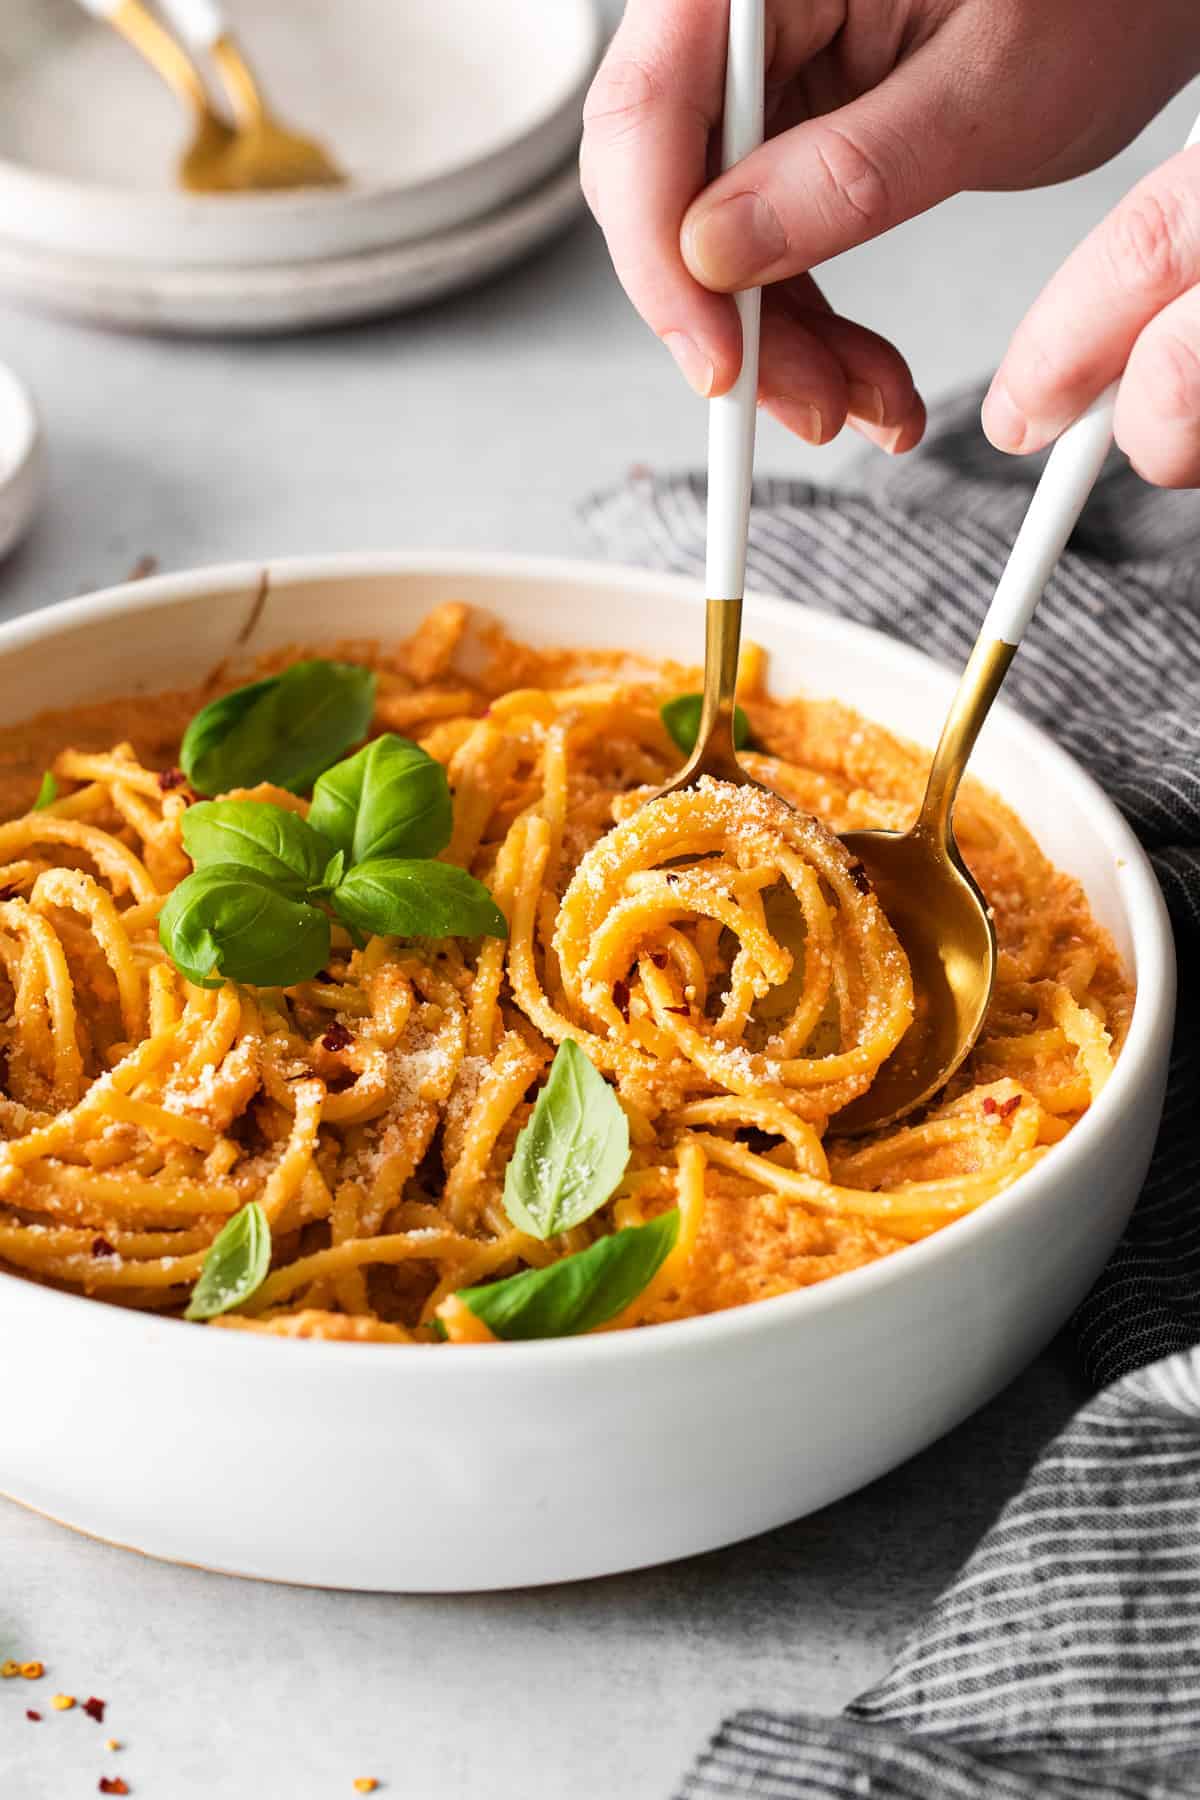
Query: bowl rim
[
  {"x": 20, "y": 429},
  {"x": 1141, "y": 901}
]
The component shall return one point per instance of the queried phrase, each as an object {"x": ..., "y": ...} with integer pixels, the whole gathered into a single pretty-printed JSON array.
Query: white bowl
[
  {"x": 20, "y": 459},
  {"x": 418, "y": 1470},
  {"x": 258, "y": 299},
  {"x": 439, "y": 114}
]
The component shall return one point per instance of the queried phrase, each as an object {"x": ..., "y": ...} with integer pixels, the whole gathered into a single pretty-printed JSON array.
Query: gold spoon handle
[
  {"x": 715, "y": 753},
  {"x": 981, "y": 680},
  {"x": 1059, "y": 498},
  {"x": 140, "y": 28},
  {"x": 203, "y": 26},
  {"x": 245, "y": 96}
]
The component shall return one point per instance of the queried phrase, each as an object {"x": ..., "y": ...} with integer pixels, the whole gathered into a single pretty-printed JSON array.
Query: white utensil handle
[
  {"x": 1059, "y": 498},
  {"x": 731, "y": 419},
  {"x": 198, "y": 22}
]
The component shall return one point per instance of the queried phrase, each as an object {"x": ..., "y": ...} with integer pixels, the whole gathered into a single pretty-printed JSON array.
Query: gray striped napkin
[{"x": 1065, "y": 1658}]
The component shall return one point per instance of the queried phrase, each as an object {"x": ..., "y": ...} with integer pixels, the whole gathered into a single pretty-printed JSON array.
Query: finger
[
  {"x": 819, "y": 371},
  {"x": 1158, "y": 407},
  {"x": 830, "y": 183},
  {"x": 1080, "y": 333},
  {"x": 647, "y": 126},
  {"x": 800, "y": 380}
]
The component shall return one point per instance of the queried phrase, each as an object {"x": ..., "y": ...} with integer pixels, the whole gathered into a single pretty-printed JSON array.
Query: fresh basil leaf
[
  {"x": 230, "y": 920},
  {"x": 273, "y": 842},
  {"x": 396, "y": 896},
  {"x": 389, "y": 799},
  {"x": 581, "y": 1291},
  {"x": 286, "y": 730},
  {"x": 47, "y": 792},
  {"x": 572, "y": 1152},
  {"x": 335, "y": 868},
  {"x": 200, "y": 751},
  {"x": 236, "y": 1264},
  {"x": 681, "y": 716}
]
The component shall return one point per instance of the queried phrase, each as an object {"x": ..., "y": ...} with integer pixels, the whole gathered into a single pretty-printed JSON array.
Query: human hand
[
  {"x": 1127, "y": 300},
  {"x": 877, "y": 109}
]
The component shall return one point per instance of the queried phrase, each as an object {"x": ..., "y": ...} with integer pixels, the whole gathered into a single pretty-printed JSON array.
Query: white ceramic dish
[
  {"x": 20, "y": 459},
  {"x": 257, "y": 301},
  {"x": 439, "y": 114},
  {"x": 413, "y": 1469}
]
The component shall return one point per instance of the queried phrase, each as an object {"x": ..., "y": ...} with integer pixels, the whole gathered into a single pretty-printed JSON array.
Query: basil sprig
[
  {"x": 681, "y": 716},
  {"x": 257, "y": 907},
  {"x": 390, "y": 799},
  {"x": 47, "y": 792},
  {"x": 236, "y": 1264},
  {"x": 580, "y": 1292},
  {"x": 572, "y": 1152},
  {"x": 287, "y": 729}
]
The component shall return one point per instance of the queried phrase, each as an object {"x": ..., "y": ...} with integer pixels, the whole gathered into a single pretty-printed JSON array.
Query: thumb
[{"x": 829, "y": 184}]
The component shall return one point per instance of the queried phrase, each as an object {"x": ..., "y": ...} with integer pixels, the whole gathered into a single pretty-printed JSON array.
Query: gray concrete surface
[{"x": 480, "y": 422}]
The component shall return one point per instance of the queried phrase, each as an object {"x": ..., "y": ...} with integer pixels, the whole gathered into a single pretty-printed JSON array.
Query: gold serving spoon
[
  {"x": 932, "y": 901},
  {"x": 203, "y": 163},
  {"x": 264, "y": 153}
]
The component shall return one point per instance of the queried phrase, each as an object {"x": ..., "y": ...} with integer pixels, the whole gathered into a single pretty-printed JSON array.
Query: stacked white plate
[{"x": 457, "y": 122}]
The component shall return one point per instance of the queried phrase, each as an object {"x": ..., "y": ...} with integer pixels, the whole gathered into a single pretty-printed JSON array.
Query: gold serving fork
[{"x": 258, "y": 152}]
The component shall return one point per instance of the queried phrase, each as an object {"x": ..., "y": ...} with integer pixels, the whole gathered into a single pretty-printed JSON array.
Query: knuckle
[
  {"x": 1169, "y": 376},
  {"x": 624, "y": 91},
  {"x": 856, "y": 188},
  {"x": 1146, "y": 247}
]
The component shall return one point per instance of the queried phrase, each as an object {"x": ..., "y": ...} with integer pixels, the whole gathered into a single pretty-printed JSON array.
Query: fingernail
[
  {"x": 696, "y": 368},
  {"x": 729, "y": 245},
  {"x": 1003, "y": 420},
  {"x": 799, "y": 417},
  {"x": 865, "y": 402}
]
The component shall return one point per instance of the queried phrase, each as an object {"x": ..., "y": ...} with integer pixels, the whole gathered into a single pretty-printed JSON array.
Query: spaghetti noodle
[{"x": 372, "y": 1111}]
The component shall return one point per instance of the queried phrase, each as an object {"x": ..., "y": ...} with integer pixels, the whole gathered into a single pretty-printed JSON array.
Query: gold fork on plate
[{"x": 258, "y": 152}]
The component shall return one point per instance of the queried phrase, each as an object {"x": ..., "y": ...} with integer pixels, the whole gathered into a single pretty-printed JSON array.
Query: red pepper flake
[
  {"x": 171, "y": 778},
  {"x": 659, "y": 958},
  {"x": 684, "y": 1011},
  {"x": 621, "y": 998},
  {"x": 1009, "y": 1107},
  {"x": 35, "y": 1716},
  {"x": 145, "y": 565},
  {"x": 989, "y": 1105},
  {"x": 9, "y": 893},
  {"x": 113, "y": 1784},
  {"x": 337, "y": 1084},
  {"x": 325, "y": 976},
  {"x": 337, "y": 1037},
  {"x": 102, "y": 1247},
  {"x": 94, "y": 1709}
]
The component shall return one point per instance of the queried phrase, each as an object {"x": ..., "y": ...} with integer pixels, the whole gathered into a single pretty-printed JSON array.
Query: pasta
[{"x": 372, "y": 1111}]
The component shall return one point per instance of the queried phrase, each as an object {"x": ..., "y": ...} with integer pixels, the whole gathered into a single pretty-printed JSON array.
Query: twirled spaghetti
[{"x": 373, "y": 1110}]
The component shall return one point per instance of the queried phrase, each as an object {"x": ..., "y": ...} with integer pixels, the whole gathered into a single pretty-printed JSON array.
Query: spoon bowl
[{"x": 944, "y": 925}]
